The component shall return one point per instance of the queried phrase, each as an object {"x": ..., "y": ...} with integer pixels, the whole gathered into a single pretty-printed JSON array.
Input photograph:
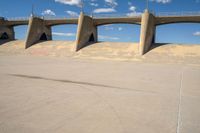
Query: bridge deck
[{"x": 106, "y": 20}]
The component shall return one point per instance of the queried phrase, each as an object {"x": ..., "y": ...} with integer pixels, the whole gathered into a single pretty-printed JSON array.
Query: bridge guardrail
[
  {"x": 17, "y": 18},
  {"x": 58, "y": 17},
  {"x": 94, "y": 15},
  {"x": 116, "y": 15},
  {"x": 161, "y": 14}
]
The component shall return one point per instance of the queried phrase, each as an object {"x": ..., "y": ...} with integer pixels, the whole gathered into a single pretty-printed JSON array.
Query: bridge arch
[
  {"x": 178, "y": 22},
  {"x": 64, "y": 32},
  {"x": 20, "y": 31},
  {"x": 107, "y": 21},
  {"x": 180, "y": 33},
  {"x": 177, "y": 19},
  {"x": 119, "y": 32}
]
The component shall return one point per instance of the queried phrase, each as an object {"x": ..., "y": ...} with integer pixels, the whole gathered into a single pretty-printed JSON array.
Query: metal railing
[
  {"x": 57, "y": 17},
  {"x": 95, "y": 15},
  {"x": 41, "y": 17},
  {"x": 116, "y": 15},
  {"x": 178, "y": 14},
  {"x": 17, "y": 18}
]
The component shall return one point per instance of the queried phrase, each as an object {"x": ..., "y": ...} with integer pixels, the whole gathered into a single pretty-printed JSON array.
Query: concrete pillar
[
  {"x": 147, "y": 35},
  {"x": 37, "y": 31},
  {"x": 8, "y": 31},
  {"x": 86, "y": 32},
  {"x": 154, "y": 36}
]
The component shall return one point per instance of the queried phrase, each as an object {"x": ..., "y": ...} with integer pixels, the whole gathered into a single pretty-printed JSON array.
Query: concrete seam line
[{"x": 179, "y": 105}]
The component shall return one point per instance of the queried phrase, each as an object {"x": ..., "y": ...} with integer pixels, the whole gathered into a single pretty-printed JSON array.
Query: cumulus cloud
[
  {"x": 133, "y": 11},
  {"x": 162, "y": 1},
  {"x": 70, "y": 2},
  {"x": 104, "y": 10},
  {"x": 72, "y": 13},
  {"x": 63, "y": 34},
  {"x": 132, "y": 8},
  {"x": 196, "y": 33},
  {"x": 111, "y": 3},
  {"x": 131, "y": 14},
  {"x": 48, "y": 12},
  {"x": 108, "y": 37}
]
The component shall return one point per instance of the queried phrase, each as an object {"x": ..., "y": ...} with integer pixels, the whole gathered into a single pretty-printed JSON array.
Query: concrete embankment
[{"x": 168, "y": 53}]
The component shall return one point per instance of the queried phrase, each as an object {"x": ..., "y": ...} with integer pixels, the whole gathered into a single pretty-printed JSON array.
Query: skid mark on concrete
[{"x": 79, "y": 83}]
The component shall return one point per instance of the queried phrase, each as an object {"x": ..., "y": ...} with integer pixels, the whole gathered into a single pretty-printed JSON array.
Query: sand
[{"x": 48, "y": 89}]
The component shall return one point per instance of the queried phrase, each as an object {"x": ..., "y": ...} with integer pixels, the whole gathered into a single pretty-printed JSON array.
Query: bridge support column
[
  {"x": 147, "y": 35},
  {"x": 86, "y": 33},
  {"x": 6, "y": 32},
  {"x": 37, "y": 31}
]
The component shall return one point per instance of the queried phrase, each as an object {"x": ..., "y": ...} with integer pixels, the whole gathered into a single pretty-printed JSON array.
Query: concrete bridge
[{"x": 39, "y": 28}]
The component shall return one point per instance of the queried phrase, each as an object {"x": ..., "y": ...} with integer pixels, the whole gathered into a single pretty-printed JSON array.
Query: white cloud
[
  {"x": 48, "y": 12},
  {"x": 120, "y": 28},
  {"x": 108, "y": 37},
  {"x": 162, "y": 1},
  {"x": 133, "y": 11},
  {"x": 94, "y": 4},
  {"x": 111, "y": 3},
  {"x": 70, "y": 2},
  {"x": 132, "y": 8},
  {"x": 104, "y": 10},
  {"x": 63, "y": 34},
  {"x": 72, "y": 14},
  {"x": 196, "y": 33},
  {"x": 132, "y": 14}
]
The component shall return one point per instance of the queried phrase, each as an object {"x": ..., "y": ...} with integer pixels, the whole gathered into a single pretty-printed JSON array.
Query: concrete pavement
[{"x": 46, "y": 94}]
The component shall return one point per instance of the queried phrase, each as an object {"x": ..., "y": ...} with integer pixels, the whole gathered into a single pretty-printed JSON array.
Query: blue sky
[{"x": 172, "y": 33}]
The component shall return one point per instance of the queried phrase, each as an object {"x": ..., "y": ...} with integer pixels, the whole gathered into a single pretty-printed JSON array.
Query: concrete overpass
[{"x": 39, "y": 28}]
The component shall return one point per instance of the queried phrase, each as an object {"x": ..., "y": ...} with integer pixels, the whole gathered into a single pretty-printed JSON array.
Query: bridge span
[{"x": 39, "y": 28}]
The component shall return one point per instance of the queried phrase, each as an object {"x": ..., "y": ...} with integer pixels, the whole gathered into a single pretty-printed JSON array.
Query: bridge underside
[
  {"x": 60, "y": 22},
  {"x": 127, "y": 20},
  {"x": 182, "y": 19}
]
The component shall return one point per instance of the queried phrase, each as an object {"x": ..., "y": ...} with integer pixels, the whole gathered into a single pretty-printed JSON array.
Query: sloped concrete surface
[
  {"x": 68, "y": 95},
  {"x": 159, "y": 53}
]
